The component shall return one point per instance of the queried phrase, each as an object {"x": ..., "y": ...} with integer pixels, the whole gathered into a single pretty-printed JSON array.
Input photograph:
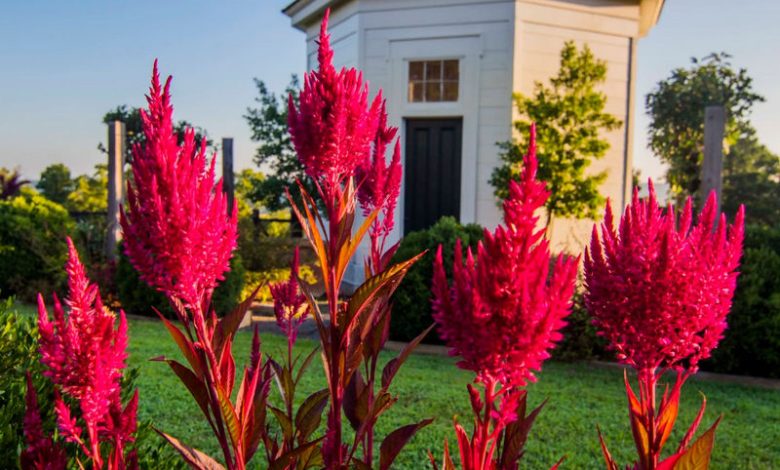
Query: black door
[{"x": 432, "y": 169}]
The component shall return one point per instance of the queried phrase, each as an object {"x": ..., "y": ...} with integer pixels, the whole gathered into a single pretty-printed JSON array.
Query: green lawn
[{"x": 429, "y": 386}]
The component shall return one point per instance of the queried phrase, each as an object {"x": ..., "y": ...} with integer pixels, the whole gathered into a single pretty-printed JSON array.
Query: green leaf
[{"x": 396, "y": 440}]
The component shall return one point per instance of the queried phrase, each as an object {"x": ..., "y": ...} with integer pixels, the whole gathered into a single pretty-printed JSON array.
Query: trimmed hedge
[
  {"x": 32, "y": 245},
  {"x": 412, "y": 300},
  {"x": 138, "y": 298}
]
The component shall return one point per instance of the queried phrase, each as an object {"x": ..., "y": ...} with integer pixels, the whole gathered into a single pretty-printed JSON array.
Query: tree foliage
[
  {"x": 275, "y": 153},
  {"x": 131, "y": 116},
  {"x": 55, "y": 183},
  {"x": 90, "y": 192},
  {"x": 751, "y": 176},
  {"x": 569, "y": 116},
  {"x": 676, "y": 110}
]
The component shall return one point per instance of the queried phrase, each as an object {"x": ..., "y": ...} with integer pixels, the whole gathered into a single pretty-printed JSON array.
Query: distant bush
[
  {"x": 580, "y": 341},
  {"x": 137, "y": 298},
  {"x": 412, "y": 301},
  {"x": 752, "y": 340},
  {"x": 32, "y": 245}
]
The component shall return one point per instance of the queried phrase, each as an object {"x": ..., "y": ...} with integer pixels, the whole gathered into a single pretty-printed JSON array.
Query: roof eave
[{"x": 649, "y": 12}]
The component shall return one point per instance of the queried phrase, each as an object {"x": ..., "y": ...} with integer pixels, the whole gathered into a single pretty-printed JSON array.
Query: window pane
[
  {"x": 450, "y": 69},
  {"x": 433, "y": 70},
  {"x": 415, "y": 71},
  {"x": 415, "y": 92},
  {"x": 433, "y": 91},
  {"x": 450, "y": 91}
]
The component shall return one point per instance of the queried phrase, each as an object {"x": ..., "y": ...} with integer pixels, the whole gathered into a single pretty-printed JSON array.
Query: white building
[{"x": 448, "y": 69}]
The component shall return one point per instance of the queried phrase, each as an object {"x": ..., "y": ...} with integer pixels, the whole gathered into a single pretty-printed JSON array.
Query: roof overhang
[
  {"x": 649, "y": 12},
  {"x": 302, "y": 13}
]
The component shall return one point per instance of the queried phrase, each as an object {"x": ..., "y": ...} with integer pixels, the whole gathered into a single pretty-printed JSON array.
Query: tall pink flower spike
[
  {"x": 333, "y": 127},
  {"x": 178, "y": 233},
  {"x": 85, "y": 356},
  {"x": 502, "y": 315},
  {"x": 659, "y": 291}
]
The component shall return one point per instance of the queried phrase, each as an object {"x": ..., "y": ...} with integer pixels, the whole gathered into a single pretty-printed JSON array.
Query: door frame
[{"x": 468, "y": 49}]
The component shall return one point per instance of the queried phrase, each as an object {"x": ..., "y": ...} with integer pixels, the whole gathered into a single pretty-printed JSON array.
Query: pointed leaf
[
  {"x": 185, "y": 346},
  {"x": 396, "y": 440},
  {"x": 355, "y": 401},
  {"x": 228, "y": 325},
  {"x": 309, "y": 414},
  {"x": 611, "y": 464},
  {"x": 284, "y": 422},
  {"x": 391, "y": 368},
  {"x": 194, "y": 457},
  {"x": 697, "y": 457},
  {"x": 194, "y": 385},
  {"x": 230, "y": 418},
  {"x": 286, "y": 459}
]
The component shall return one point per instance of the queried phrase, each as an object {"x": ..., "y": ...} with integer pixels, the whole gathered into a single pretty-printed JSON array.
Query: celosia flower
[
  {"x": 659, "y": 290},
  {"x": 85, "y": 357},
  {"x": 380, "y": 183},
  {"x": 504, "y": 310},
  {"x": 290, "y": 306},
  {"x": 333, "y": 127},
  {"x": 41, "y": 452},
  {"x": 379, "y": 187},
  {"x": 178, "y": 233}
]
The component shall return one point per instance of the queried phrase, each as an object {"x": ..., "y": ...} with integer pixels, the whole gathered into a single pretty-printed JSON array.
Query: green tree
[
  {"x": 751, "y": 176},
  {"x": 676, "y": 110},
  {"x": 131, "y": 116},
  {"x": 55, "y": 183},
  {"x": 268, "y": 123},
  {"x": 569, "y": 116},
  {"x": 90, "y": 192}
]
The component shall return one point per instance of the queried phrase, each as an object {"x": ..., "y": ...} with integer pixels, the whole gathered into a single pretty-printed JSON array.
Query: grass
[{"x": 579, "y": 397}]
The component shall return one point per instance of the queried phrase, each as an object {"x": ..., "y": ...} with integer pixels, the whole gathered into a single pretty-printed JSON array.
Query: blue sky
[{"x": 66, "y": 63}]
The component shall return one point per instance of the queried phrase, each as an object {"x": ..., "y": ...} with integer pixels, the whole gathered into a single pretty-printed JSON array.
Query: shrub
[
  {"x": 751, "y": 345},
  {"x": 412, "y": 300},
  {"x": 580, "y": 341},
  {"x": 32, "y": 245},
  {"x": 19, "y": 350},
  {"x": 138, "y": 298}
]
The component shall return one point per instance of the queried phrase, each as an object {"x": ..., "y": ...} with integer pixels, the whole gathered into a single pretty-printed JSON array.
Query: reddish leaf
[
  {"x": 356, "y": 400},
  {"x": 228, "y": 325},
  {"x": 697, "y": 457},
  {"x": 692, "y": 430},
  {"x": 194, "y": 457},
  {"x": 396, "y": 440},
  {"x": 286, "y": 459},
  {"x": 284, "y": 422},
  {"x": 230, "y": 418},
  {"x": 185, "y": 346},
  {"x": 611, "y": 465},
  {"x": 194, "y": 385},
  {"x": 391, "y": 368},
  {"x": 309, "y": 414}
]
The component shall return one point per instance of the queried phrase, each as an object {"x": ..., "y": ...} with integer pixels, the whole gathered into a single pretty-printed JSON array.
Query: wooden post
[
  {"x": 712, "y": 167},
  {"x": 228, "y": 180},
  {"x": 116, "y": 159}
]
